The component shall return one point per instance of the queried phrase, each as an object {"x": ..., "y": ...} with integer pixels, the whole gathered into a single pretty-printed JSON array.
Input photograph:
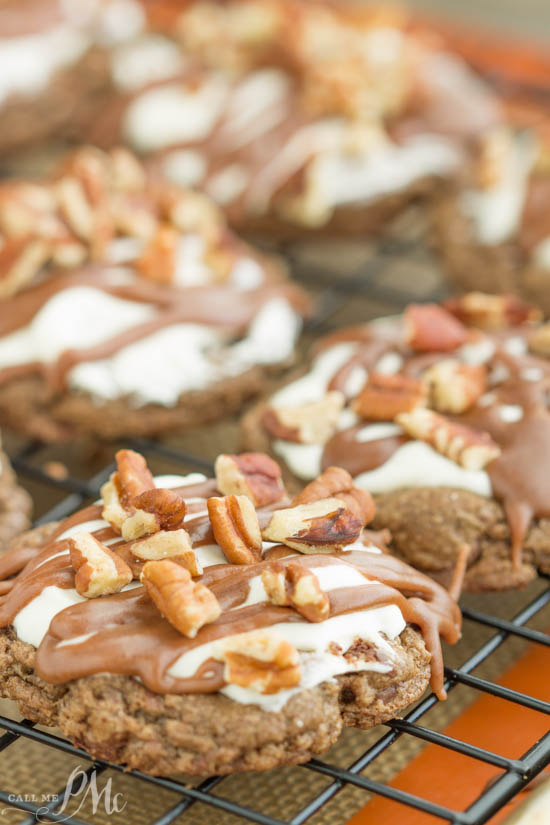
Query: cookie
[
  {"x": 169, "y": 628},
  {"x": 442, "y": 415},
  {"x": 55, "y": 63},
  {"x": 15, "y": 504},
  {"x": 129, "y": 307},
  {"x": 493, "y": 231},
  {"x": 334, "y": 139}
]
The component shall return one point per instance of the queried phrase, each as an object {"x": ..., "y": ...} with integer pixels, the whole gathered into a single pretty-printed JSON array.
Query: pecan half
[
  {"x": 337, "y": 482},
  {"x": 454, "y": 387},
  {"x": 385, "y": 396},
  {"x": 99, "y": 571},
  {"x": 236, "y": 528},
  {"x": 262, "y": 661},
  {"x": 173, "y": 544},
  {"x": 478, "y": 309},
  {"x": 469, "y": 448},
  {"x": 186, "y": 604},
  {"x": 255, "y": 475},
  {"x": 430, "y": 328},
  {"x": 295, "y": 585},
  {"x": 312, "y": 423},
  {"x": 322, "y": 526}
]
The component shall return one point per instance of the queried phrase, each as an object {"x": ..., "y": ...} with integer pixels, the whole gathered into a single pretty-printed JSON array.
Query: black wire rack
[{"x": 335, "y": 291}]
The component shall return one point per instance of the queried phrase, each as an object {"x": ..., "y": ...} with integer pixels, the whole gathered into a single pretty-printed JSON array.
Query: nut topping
[
  {"x": 99, "y": 571},
  {"x": 455, "y": 387},
  {"x": 236, "y": 528},
  {"x": 261, "y": 660},
  {"x": 168, "y": 544},
  {"x": 295, "y": 585},
  {"x": 539, "y": 340},
  {"x": 158, "y": 260},
  {"x": 312, "y": 423},
  {"x": 337, "y": 482},
  {"x": 255, "y": 475},
  {"x": 186, "y": 604},
  {"x": 167, "y": 506},
  {"x": 324, "y": 526},
  {"x": 133, "y": 475},
  {"x": 477, "y": 309},
  {"x": 471, "y": 449},
  {"x": 430, "y": 328},
  {"x": 385, "y": 396}
]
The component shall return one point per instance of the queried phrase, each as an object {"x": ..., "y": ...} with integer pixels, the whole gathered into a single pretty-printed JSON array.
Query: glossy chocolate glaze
[
  {"x": 519, "y": 476},
  {"x": 131, "y": 637},
  {"x": 223, "y": 307}
]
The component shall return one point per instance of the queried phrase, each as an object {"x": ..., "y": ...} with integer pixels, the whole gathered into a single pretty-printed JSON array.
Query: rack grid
[{"x": 369, "y": 280}]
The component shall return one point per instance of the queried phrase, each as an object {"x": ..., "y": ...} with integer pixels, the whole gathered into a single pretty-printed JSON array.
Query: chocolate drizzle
[
  {"x": 131, "y": 637},
  {"x": 517, "y": 386}
]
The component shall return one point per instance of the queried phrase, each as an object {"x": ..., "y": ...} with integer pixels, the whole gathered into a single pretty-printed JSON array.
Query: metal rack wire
[{"x": 514, "y": 774}]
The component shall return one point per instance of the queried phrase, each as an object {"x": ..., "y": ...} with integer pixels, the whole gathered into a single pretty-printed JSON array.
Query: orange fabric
[{"x": 454, "y": 780}]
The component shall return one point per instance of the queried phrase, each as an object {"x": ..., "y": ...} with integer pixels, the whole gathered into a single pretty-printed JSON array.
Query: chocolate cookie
[
  {"x": 493, "y": 231},
  {"x": 335, "y": 137},
  {"x": 15, "y": 504},
  {"x": 442, "y": 415},
  {"x": 260, "y": 629},
  {"x": 128, "y": 306}
]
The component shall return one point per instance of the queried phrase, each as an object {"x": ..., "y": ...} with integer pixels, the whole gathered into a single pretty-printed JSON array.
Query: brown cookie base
[
  {"x": 27, "y": 406},
  {"x": 475, "y": 267},
  {"x": 116, "y": 718},
  {"x": 71, "y": 100},
  {"x": 429, "y": 524},
  {"x": 15, "y": 504}
]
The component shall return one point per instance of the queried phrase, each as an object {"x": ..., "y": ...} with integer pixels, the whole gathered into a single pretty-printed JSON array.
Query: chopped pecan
[
  {"x": 455, "y": 387},
  {"x": 133, "y": 474},
  {"x": 127, "y": 173},
  {"x": 255, "y": 475},
  {"x": 168, "y": 544},
  {"x": 467, "y": 447},
  {"x": 167, "y": 506},
  {"x": 337, "y": 482},
  {"x": 99, "y": 571},
  {"x": 478, "y": 309},
  {"x": 430, "y": 328},
  {"x": 539, "y": 340},
  {"x": 261, "y": 660},
  {"x": 20, "y": 261},
  {"x": 385, "y": 396},
  {"x": 236, "y": 528},
  {"x": 295, "y": 585},
  {"x": 322, "y": 526},
  {"x": 312, "y": 423},
  {"x": 113, "y": 510},
  {"x": 158, "y": 260},
  {"x": 186, "y": 604}
]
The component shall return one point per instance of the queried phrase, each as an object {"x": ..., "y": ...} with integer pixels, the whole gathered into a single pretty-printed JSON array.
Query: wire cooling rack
[{"x": 370, "y": 278}]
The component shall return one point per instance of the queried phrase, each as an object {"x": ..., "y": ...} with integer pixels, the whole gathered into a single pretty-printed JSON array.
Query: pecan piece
[
  {"x": 455, "y": 387},
  {"x": 337, "y": 482},
  {"x": 478, "y": 309},
  {"x": 385, "y": 396},
  {"x": 312, "y": 423},
  {"x": 99, "y": 571},
  {"x": 295, "y": 585},
  {"x": 236, "y": 528},
  {"x": 20, "y": 261},
  {"x": 261, "y": 660},
  {"x": 167, "y": 544},
  {"x": 323, "y": 526},
  {"x": 539, "y": 340},
  {"x": 430, "y": 328},
  {"x": 186, "y": 604},
  {"x": 255, "y": 475},
  {"x": 133, "y": 474},
  {"x": 167, "y": 506},
  {"x": 467, "y": 447},
  {"x": 158, "y": 260}
]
